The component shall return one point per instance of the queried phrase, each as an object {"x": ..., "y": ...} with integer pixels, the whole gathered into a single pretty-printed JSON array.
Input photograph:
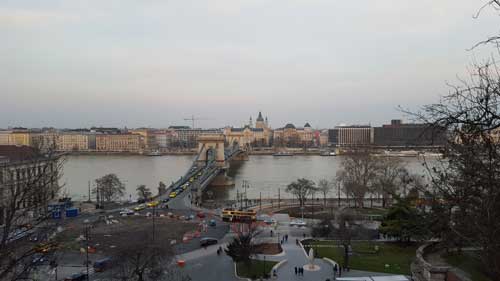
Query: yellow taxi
[
  {"x": 173, "y": 194},
  {"x": 153, "y": 204}
]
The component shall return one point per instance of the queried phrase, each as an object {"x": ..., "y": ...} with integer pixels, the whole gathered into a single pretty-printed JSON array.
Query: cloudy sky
[{"x": 77, "y": 63}]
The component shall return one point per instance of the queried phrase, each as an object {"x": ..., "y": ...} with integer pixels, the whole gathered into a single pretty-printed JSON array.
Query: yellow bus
[{"x": 231, "y": 215}]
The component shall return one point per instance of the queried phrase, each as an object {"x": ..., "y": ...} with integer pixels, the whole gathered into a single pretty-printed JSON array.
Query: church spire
[{"x": 259, "y": 118}]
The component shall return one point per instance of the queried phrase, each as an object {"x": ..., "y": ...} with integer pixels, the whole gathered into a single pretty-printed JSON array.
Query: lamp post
[
  {"x": 87, "y": 237},
  {"x": 264, "y": 273},
  {"x": 154, "y": 214}
]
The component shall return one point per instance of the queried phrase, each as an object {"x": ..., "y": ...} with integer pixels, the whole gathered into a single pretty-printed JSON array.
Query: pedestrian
[
  {"x": 271, "y": 233},
  {"x": 302, "y": 271},
  {"x": 304, "y": 235},
  {"x": 295, "y": 270},
  {"x": 297, "y": 242},
  {"x": 340, "y": 270}
]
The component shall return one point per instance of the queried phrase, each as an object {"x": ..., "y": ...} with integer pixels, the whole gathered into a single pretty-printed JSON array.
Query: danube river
[{"x": 265, "y": 174}]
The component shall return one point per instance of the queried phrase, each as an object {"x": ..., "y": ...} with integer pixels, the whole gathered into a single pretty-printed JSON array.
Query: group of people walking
[
  {"x": 299, "y": 271},
  {"x": 284, "y": 239}
]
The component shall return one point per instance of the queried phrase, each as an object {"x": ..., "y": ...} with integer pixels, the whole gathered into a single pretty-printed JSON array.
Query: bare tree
[
  {"x": 242, "y": 248},
  {"x": 324, "y": 186},
  {"x": 142, "y": 259},
  {"x": 301, "y": 188},
  {"x": 162, "y": 188},
  {"x": 108, "y": 188},
  {"x": 390, "y": 172},
  {"x": 465, "y": 186},
  {"x": 345, "y": 221},
  {"x": 28, "y": 182},
  {"x": 143, "y": 192},
  {"x": 357, "y": 174}
]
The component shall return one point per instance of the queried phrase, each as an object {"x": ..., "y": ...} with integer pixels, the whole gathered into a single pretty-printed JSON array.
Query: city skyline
[
  {"x": 81, "y": 63},
  {"x": 188, "y": 123}
]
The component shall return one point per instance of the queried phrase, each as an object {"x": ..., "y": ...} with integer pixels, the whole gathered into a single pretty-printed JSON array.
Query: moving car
[
  {"x": 140, "y": 207},
  {"x": 165, "y": 200},
  {"x": 298, "y": 223},
  {"x": 212, "y": 222},
  {"x": 102, "y": 264},
  {"x": 76, "y": 277},
  {"x": 200, "y": 215},
  {"x": 153, "y": 204},
  {"x": 207, "y": 241},
  {"x": 126, "y": 212},
  {"x": 45, "y": 247},
  {"x": 173, "y": 194}
]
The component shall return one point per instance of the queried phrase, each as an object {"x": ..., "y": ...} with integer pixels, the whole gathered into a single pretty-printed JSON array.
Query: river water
[{"x": 265, "y": 174}]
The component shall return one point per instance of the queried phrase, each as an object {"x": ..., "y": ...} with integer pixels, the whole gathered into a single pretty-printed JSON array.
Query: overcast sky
[{"x": 78, "y": 63}]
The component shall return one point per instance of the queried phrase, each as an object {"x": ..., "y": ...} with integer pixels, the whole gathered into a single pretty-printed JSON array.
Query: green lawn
[
  {"x": 255, "y": 269},
  {"x": 366, "y": 258},
  {"x": 468, "y": 263}
]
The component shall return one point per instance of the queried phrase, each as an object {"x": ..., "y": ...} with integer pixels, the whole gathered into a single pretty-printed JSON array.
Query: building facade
[
  {"x": 29, "y": 178},
  {"x": 118, "y": 142},
  {"x": 72, "y": 142},
  {"x": 351, "y": 136},
  {"x": 248, "y": 135},
  {"x": 398, "y": 134},
  {"x": 291, "y": 136}
]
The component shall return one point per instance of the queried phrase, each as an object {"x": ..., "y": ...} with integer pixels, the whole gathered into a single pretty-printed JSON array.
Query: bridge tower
[{"x": 211, "y": 147}]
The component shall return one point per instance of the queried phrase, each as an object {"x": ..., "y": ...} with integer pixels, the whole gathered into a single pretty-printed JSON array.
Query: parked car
[
  {"x": 76, "y": 277},
  {"x": 102, "y": 264},
  {"x": 207, "y": 241}
]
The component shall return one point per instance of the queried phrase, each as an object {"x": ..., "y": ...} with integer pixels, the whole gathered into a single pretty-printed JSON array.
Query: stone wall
[{"x": 424, "y": 271}]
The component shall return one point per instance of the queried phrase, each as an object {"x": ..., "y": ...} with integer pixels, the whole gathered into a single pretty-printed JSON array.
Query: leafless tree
[
  {"x": 494, "y": 39},
  {"x": 465, "y": 185},
  {"x": 389, "y": 176},
  {"x": 324, "y": 186},
  {"x": 301, "y": 188},
  {"x": 358, "y": 174},
  {"x": 108, "y": 188},
  {"x": 144, "y": 192},
  {"x": 345, "y": 221},
  {"x": 142, "y": 259},
  {"x": 27, "y": 185}
]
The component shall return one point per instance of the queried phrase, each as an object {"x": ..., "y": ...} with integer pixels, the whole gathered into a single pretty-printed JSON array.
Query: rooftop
[{"x": 16, "y": 153}]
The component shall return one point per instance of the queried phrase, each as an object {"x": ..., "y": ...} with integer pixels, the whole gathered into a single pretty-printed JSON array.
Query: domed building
[
  {"x": 292, "y": 136},
  {"x": 248, "y": 135}
]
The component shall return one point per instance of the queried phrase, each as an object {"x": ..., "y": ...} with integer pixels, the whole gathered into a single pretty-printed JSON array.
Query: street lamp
[
  {"x": 87, "y": 237},
  {"x": 264, "y": 273}
]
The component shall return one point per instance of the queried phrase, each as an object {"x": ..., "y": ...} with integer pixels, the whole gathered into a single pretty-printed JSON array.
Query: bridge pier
[
  {"x": 222, "y": 180},
  {"x": 241, "y": 157}
]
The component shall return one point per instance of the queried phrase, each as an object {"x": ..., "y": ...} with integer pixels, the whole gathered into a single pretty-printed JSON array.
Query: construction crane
[{"x": 192, "y": 119}]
